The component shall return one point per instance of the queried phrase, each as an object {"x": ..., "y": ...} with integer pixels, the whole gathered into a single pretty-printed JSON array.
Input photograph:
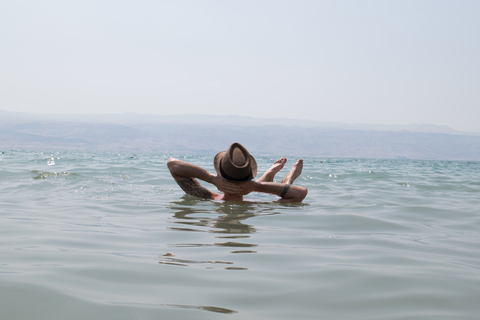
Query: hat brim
[{"x": 216, "y": 161}]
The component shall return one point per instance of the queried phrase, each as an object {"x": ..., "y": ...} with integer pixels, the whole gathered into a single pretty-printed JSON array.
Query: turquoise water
[{"x": 111, "y": 236}]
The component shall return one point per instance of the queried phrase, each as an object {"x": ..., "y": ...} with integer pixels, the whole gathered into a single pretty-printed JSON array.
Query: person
[{"x": 235, "y": 169}]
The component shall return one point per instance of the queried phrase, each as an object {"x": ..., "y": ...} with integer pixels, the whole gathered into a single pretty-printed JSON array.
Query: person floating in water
[{"x": 236, "y": 168}]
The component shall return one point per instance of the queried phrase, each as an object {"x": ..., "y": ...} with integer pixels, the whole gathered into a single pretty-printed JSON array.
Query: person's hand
[
  {"x": 247, "y": 187},
  {"x": 226, "y": 186}
]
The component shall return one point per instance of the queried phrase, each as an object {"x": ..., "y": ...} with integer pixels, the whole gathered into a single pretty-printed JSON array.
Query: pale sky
[{"x": 380, "y": 62}]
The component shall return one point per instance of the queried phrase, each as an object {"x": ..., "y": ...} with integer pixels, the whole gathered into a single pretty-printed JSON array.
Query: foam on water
[{"x": 111, "y": 236}]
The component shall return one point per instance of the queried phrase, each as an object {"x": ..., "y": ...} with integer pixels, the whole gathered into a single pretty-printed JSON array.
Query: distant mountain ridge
[
  {"x": 209, "y": 134},
  {"x": 135, "y": 119}
]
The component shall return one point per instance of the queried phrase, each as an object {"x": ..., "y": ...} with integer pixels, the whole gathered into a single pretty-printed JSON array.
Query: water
[{"x": 111, "y": 236}]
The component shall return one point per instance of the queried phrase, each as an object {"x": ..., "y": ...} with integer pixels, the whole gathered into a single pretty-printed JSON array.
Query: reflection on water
[
  {"x": 170, "y": 259},
  {"x": 226, "y": 219},
  {"x": 182, "y": 306},
  {"x": 217, "y": 217},
  {"x": 206, "y": 308}
]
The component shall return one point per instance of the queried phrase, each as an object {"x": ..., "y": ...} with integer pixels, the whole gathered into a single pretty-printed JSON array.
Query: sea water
[{"x": 112, "y": 236}]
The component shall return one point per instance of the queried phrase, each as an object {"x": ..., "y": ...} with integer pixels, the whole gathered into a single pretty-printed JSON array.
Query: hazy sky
[{"x": 386, "y": 62}]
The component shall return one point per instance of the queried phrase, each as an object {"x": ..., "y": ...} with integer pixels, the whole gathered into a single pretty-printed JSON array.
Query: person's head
[{"x": 235, "y": 164}]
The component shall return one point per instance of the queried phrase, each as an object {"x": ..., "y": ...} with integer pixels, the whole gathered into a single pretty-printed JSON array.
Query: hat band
[{"x": 228, "y": 177}]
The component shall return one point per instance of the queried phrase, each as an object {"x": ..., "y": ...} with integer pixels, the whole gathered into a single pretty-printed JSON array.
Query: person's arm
[
  {"x": 287, "y": 192},
  {"x": 185, "y": 174}
]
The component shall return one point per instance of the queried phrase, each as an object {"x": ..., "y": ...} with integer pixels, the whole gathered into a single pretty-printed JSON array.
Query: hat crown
[{"x": 238, "y": 158}]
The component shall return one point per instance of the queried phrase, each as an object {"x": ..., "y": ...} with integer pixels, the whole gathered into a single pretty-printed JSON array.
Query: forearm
[
  {"x": 186, "y": 175},
  {"x": 288, "y": 193},
  {"x": 181, "y": 170}
]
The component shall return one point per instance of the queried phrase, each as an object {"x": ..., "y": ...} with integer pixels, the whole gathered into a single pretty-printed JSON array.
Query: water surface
[{"x": 111, "y": 236}]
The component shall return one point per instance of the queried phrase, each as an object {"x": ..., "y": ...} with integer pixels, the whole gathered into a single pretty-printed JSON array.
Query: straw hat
[{"x": 235, "y": 164}]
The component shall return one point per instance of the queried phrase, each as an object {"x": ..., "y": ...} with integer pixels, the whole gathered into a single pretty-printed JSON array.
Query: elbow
[{"x": 172, "y": 165}]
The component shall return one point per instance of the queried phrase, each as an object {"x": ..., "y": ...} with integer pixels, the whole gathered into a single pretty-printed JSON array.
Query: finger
[
  {"x": 228, "y": 186},
  {"x": 233, "y": 190}
]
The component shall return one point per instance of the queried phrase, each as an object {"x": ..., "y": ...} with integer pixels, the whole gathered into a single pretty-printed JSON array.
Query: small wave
[
  {"x": 182, "y": 306},
  {"x": 46, "y": 174}
]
